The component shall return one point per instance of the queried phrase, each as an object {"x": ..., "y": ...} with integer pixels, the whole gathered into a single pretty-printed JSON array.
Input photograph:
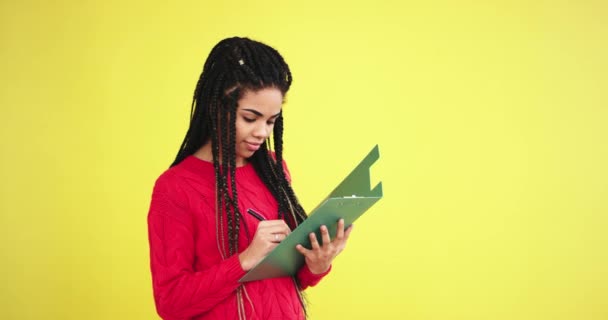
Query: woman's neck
[{"x": 205, "y": 153}]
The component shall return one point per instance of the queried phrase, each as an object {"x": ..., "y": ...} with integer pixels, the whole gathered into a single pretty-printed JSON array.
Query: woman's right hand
[{"x": 267, "y": 236}]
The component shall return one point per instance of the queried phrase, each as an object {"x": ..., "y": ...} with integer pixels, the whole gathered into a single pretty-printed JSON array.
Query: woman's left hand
[{"x": 319, "y": 258}]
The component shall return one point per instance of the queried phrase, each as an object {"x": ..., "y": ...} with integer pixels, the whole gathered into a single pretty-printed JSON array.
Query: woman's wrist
[
  {"x": 244, "y": 260},
  {"x": 318, "y": 270}
]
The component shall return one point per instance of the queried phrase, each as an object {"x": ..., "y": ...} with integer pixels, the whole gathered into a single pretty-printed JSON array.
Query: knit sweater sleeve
[
  {"x": 180, "y": 292},
  {"x": 308, "y": 279}
]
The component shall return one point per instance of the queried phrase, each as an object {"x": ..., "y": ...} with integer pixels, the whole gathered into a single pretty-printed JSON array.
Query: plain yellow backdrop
[{"x": 491, "y": 116}]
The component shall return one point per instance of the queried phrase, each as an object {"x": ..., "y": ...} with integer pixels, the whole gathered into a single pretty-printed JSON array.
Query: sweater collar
[{"x": 199, "y": 166}]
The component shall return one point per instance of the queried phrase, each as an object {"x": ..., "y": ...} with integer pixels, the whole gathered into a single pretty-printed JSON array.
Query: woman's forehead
[{"x": 267, "y": 101}]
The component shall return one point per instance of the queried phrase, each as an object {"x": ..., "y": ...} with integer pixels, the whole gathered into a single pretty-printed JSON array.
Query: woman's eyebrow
[{"x": 259, "y": 114}]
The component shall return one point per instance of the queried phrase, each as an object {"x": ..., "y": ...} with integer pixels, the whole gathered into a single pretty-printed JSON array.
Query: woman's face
[{"x": 255, "y": 117}]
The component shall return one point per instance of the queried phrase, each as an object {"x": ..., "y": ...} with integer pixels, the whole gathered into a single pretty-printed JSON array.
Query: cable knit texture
[{"x": 190, "y": 278}]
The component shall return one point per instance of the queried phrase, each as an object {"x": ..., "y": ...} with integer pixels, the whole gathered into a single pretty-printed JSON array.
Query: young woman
[{"x": 202, "y": 239}]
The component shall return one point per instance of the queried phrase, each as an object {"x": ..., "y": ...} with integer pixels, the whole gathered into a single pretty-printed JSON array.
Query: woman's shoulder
[
  {"x": 189, "y": 172},
  {"x": 169, "y": 185},
  {"x": 167, "y": 178}
]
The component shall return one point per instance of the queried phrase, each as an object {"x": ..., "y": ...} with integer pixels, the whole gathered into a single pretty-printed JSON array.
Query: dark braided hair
[{"x": 234, "y": 66}]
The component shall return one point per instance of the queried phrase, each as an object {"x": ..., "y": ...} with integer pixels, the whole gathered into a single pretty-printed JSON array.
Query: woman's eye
[
  {"x": 248, "y": 119},
  {"x": 270, "y": 123}
]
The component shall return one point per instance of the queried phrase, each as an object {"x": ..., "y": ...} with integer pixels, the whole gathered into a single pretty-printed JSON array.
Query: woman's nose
[{"x": 261, "y": 131}]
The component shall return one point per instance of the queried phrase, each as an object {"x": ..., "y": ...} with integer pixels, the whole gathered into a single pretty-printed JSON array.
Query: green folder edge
[{"x": 349, "y": 200}]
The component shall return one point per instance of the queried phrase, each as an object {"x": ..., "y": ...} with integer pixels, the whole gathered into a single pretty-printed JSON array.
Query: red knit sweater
[{"x": 190, "y": 278}]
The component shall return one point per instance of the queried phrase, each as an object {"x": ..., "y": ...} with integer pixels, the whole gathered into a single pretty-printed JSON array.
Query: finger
[
  {"x": 340, "y": 231},
  {"x": 287, "y": 228},
  {"x": 302, "y": 250},
  {"x": 277, "y": 237},
  {"x": 275, "y": 224},
  {"x": 325, "y": 235},
  {"x": 276, "y": 228},
  {"x": 272, "y": 223},
  {"x": 283, "y": 225},
  {"x": 348, "y": 231},
  {"x": 313, "y": 241}
]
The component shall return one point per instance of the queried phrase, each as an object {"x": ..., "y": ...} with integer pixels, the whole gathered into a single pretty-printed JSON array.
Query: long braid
[
  {"x": 215, "y": 150},
  {"x": 225, "y": 170},
  {"x": 232, "y": 165},
  {"x": 232, "y": 103},
  {"x": 300, "y": 214}
]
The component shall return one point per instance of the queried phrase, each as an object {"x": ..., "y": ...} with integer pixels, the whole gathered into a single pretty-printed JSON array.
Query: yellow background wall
[{"x": 491, "y": 118}]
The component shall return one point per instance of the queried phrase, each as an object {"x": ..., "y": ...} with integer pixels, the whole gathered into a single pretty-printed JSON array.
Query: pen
[{"x": 255, "y": 214}]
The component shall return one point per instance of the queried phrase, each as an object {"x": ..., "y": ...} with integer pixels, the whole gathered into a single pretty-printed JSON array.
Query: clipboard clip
[{"x": 358, "y": 182}]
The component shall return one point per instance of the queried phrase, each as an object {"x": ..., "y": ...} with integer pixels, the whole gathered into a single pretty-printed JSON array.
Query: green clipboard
[{"x": 349, "y": 200}]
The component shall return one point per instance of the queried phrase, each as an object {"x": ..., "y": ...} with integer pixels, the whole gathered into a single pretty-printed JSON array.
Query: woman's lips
[{"x": 252, "y": 146}]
